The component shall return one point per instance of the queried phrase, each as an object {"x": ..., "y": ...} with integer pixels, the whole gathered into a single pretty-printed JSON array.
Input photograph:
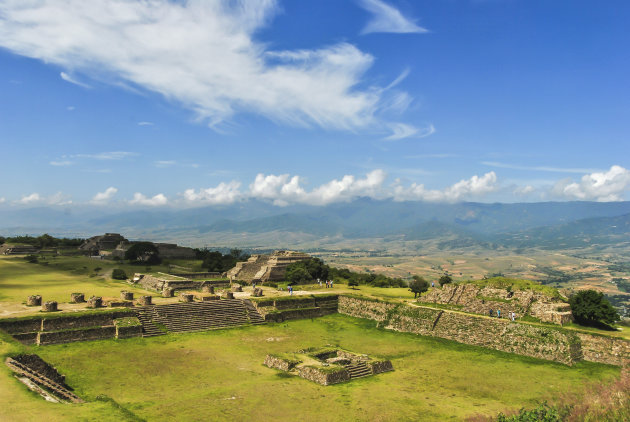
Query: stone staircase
[
  {"x": 199, "y": 316},
  {"x": 252, "y": 313},
  {"x": 55, "y": 388},
  {"x": 145, "y": 315},
  {"x": 358, "y": 370}
]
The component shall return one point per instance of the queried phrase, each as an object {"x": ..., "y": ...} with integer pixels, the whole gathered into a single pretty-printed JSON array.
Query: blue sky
[{"x": 159, "y": 104}]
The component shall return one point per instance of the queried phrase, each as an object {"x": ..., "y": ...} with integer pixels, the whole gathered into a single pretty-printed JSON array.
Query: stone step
[{"x": 40, "y": 379}]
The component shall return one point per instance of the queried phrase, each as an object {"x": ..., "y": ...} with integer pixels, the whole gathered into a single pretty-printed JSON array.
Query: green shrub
[
  {"x": 542, "y": 413},
  {"x": 119, "y": 274}
]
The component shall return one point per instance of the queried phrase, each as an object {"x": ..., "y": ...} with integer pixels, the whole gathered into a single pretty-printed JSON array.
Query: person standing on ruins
[{"x": 491, "y": 313}]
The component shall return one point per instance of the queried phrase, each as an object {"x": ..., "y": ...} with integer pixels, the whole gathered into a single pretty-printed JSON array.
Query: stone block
[
  {"x": 50, "y": 306},
  {"x": 145, "y": 300},
  {"x": 209, "y": 298},
  {"x": 168, "y": 292},
  {"x": 237, "y": 288},
  {"x": 258, "y": 292},
  {"x": 206, "y": 288},
  {"x": 186, "y": 297},
  {"x": 95, "y": 302},
  {"x": 227, "y": 295},
  {"x": 77, "y": 298},
  {"x": 125, "y": 295},
  {"x": 35, "y": 300}
]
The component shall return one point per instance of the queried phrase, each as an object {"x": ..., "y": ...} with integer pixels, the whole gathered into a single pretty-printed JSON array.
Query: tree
[
  {"x": 297, "y": 274},
  {"x": 143, "y": 253},
  {"x": 353, "y": 283},
  {"x": 445, "y": 279},
  {"x": 418, "y": 285},
  {"x": 590, "y": 307},
  {"x": 119, "y": 274}
]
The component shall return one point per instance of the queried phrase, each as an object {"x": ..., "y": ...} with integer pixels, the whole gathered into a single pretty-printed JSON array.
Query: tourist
[
  {"x": 513, "y": 316},
  {"x": 331, "y": 284},
  {"x": 433, "y": 284},
  {"x": 498, "y": 313},
  {"x": 491, "y": 313}
]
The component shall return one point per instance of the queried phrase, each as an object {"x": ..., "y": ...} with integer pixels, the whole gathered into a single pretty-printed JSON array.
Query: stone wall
[
  {"x": 380, "y": 366},
  {"x": 323, "y": 377},
  {"x": 597, "y": 348},
  {"x": 68, "y": 336},
  {"x": 280, "y": 363},
  {"x": 536, "y": 341},
  {"x": 21, "y": 325},
  {"x": 37, "y": 364},
  {"x": 480, "y": 300},
  {"x": 365, "y": 308}
]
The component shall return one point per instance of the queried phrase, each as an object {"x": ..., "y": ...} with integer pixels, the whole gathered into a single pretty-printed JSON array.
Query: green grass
[
  {"x": 219, "y": 375},
  {"x": 58, "y": 279}
]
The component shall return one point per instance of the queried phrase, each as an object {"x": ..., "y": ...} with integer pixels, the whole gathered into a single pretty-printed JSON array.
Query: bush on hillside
[
  {"x": 143, "y": 253},
  {"x": 119, "y": 274},
  {"x": 445, "y": 279}
]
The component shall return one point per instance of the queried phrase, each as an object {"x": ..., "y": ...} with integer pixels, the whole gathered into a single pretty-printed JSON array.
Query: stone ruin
[
  {"x": 50, "y": 306},
  {"x": 327, "y": 366},
  {"x": 77, "y": 298},
  {"x": 42, "y": 378},
  {"x": 479, "y": 300},
  {"x": 34, "y": 300},
  {"x": 262, "y": 268}
]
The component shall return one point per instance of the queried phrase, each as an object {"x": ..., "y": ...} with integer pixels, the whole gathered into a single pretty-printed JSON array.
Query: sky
[{"x": 148, "y": 104}]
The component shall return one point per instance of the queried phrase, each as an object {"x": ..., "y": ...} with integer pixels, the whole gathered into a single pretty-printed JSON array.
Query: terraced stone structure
[
  {"x": 480, "y": 300},
  {"x": 263, "y": 268},
  {"x": 327, "y": 366},
  {"x": 42, "y": 378}
]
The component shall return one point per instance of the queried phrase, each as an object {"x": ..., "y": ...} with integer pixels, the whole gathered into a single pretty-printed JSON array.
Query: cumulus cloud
[
  {"x": 29, "y": 199},
  {"x": 35, "y": 198},
  {"x": 523, "y": 190},
  {"x": 284, "y": 189},
  {"x": 2, "y": 200},
  {"x": 611, "y": 185},
  {"x": 464, "y": 189},
  {"x": 155, "y": 201},
  {"x": 104, "y": 197},
  {"x": 223, "y": 194},
  {"x": 386, "y": 18},
  {"x": 203, "y": 55}
]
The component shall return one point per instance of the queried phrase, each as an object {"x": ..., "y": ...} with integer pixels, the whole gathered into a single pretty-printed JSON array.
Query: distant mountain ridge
[{"x": 520, "y": 224}]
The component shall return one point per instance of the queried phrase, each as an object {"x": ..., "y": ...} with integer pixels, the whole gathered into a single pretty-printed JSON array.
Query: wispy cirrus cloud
[
  {"x": 204, "y": 55},
  {"x": 386, "y": 18},
  {"x": 403, "y": 131},
  {"x": 68, "y": 78},
  {"x": 111, "y": 155},
  {"x": 63, "y": 163},
  {"x": 536, "y": 168}
]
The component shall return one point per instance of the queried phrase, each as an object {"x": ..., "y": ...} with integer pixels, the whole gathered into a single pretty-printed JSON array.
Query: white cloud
[
  {"x": 523, "y": 190},
  {"x": 30, "y": 199},
  {"x": 2, "y": 200},
  {"x": 284, "y": 189},
  {"x": 58, "y": 199},
  {"x": 223, "y": 194},
  {"x": 536, "y": 168},
  {"x": 63, "y": 163},
  {"x": 104, "y": 197},
  {"x": 72, "y": 80},
  {"x": 464, "y": 189},
  {"x": 112, "y": 155},
  {"x": 402, "y": 130},
  {"x": 70, "y": 108},
  {"x": 145, "y": 123},
  {"x": 165, "y": 163},
  {"x": 386, "y": 18},
  {"x": 35, "y": 198},
  {"x": 611, "y": 185},
  {"x": 155, "y": 201},
  {"x": 203, "y": 55}
]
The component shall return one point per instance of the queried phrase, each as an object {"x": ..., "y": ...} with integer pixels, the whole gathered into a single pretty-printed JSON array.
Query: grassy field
[{"x": 219, "y": 375}]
